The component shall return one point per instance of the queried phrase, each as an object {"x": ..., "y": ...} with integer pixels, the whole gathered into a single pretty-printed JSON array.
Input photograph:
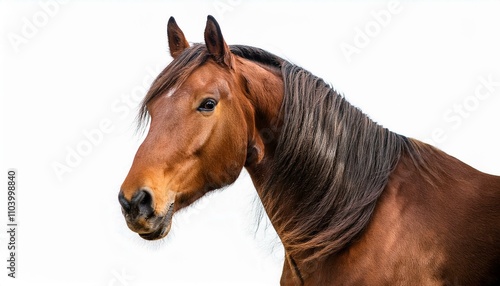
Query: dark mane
[
  {"x": 257, "y": 55},
  {"x": 331, "y": 164}
]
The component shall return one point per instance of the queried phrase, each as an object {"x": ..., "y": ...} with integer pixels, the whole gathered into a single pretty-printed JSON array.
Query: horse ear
[
  {"x": 216, "y": 45},
  {"x": 176, "y": 40}
]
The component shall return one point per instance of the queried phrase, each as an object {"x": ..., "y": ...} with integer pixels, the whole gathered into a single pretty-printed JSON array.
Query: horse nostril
[
  {"x": 143, "y": 201},
  {"x": 123, "y": 202},
  {"x": 141, "y": 204}
]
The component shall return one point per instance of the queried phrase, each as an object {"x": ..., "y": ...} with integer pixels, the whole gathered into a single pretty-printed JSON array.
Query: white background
[{"x": 83, "y": 62}]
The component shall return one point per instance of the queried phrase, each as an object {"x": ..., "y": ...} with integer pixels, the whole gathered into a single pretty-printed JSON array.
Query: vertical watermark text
[{"x": 12, "y": 245}]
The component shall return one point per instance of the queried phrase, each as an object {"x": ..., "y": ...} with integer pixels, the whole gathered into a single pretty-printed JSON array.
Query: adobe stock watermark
[
  {"x": 455, "y": 116},
  {"x": 93, "y": 137},
  {"x": 223, "y": 6},
  {"x": 121, "y": 278},
  {"x": 363, "y": 36},
  {"x": 31, "y": 26}
]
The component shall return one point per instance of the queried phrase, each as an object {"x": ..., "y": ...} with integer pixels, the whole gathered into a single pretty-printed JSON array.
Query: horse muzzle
[{"x": 141, "y": 217}]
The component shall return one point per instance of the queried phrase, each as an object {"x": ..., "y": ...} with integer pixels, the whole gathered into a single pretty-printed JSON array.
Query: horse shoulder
[
  {"x": 396, "y": 248},
  {"x": 426, "y": 232}
]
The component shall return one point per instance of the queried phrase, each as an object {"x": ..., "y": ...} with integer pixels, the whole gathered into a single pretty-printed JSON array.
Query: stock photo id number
[{"x": 12, "y": 223}]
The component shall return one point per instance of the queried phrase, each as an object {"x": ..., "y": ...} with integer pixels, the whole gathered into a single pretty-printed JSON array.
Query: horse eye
[{"x": 207, "y": 105}]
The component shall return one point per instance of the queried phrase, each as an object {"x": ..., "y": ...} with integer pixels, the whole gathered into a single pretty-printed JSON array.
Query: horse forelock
[{"x": 191, "y": 58}]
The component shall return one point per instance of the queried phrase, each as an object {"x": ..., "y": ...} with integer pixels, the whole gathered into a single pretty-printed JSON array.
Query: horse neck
[
  {"x": 319, "y": 198},
  {"x": 264, "y": 89}
]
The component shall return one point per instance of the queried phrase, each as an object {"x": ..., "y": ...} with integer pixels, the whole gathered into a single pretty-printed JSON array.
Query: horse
[{"x": 352, "y": 202}]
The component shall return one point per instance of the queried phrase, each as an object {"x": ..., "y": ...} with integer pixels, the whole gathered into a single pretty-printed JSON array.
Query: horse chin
[
  {"x": 160, "y": 233},
  {"x": 163, "y": 227}
]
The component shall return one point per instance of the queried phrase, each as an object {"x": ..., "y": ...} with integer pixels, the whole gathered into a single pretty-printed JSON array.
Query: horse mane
[
  {"x": 331, "y": 164},
  {"x": 258, "y": 55}
]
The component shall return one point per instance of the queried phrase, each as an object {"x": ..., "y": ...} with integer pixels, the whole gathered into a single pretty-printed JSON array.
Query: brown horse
[{"x": 352, "y": 202}]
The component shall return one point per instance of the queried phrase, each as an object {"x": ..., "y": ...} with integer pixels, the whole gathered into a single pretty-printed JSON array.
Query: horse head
[{"x": 201, "y": 134}]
